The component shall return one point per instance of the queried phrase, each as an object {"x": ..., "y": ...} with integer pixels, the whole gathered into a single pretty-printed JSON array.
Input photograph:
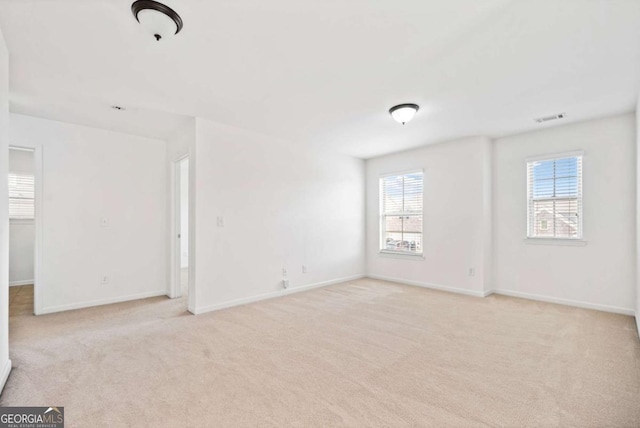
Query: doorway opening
[
  {"x": 22, "y": 232},
  {"x": 180, "y": 236}
]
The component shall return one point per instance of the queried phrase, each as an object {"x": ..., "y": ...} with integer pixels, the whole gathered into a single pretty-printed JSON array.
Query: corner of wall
[
  {"x": 638, "y": 215},
  {"x": 4, "y": 374},
  {"x": 487, "y": 216},
  {"x": 5, "y": 362}
]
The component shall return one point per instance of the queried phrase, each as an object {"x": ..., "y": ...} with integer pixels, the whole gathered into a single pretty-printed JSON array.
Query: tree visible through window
[
  {"x": 21, "y": 196},
  {"x": 555, "y": 198},
  {"x": 401, "y": 213}
]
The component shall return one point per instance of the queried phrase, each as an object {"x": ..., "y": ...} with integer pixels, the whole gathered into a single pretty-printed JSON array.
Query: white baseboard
[
  {"x": 567, "y": 302},
  {"x": 432, "y": 286},
  {"x": 17, "y": 283},
  {"x": 487, "y": 293},
  {"x": 638, "y": 321},
  {"x": 4, "y": 374},
  {"x": 80, "y": 305},
  {"x": 272, "y": 294}
]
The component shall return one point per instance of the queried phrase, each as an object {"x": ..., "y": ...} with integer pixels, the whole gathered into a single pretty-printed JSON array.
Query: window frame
[
  {"x": 579, "y": 240},
  {"x": 382, "y": 250}
]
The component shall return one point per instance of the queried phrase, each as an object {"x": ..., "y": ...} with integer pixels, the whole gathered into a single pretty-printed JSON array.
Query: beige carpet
[
  {"x": 365, "y": 353},
  {"x": 21, "y": 300}
]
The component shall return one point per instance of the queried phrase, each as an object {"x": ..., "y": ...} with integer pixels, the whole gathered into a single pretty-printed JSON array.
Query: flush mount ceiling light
[
  {"x": 158, "y": 19},
  {"x": 403, "y": 113}
]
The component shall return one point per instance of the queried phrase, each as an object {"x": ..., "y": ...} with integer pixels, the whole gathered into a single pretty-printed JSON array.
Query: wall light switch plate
[
  {"x": 104, "y": 222},
  {"x": 220, "y": 221}
]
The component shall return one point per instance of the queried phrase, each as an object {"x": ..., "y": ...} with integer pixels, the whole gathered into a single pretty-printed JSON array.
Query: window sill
[
  {"x": 21, "y": 221},
  {"x": 398, "y": 255},
  {"x": 556, "y": 241}
]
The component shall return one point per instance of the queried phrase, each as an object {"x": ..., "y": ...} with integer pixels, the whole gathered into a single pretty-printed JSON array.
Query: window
[
  {"x": 401, "y": 213},
  {"x": 21, "y": 196},
  {"x": 555, "y": 197}
]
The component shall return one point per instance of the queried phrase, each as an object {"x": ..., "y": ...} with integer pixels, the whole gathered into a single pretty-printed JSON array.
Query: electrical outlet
[
  {"x": 304, "y": 268},
  {"x": 285, "y": 283},
  {"x": 104, "y": 279},
  {"x": 472, "y": 272},
  {"x": 284, "y": 271}
]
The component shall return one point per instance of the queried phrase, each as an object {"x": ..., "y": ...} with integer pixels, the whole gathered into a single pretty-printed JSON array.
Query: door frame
[
  {"x": 176, "y": 256},
  {"x": 38, "y": 279}
]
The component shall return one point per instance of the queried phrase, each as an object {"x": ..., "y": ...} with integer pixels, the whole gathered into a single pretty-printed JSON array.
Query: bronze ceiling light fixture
[
  {"x": 158, "y": 19},
  {"x": 403, "y": 113}
]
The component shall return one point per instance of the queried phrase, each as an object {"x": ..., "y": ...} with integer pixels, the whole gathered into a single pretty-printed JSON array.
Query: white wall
[
  {"x": 21, "y": 232},
  {"x": 602, "y": 273},
  {"x": 457, "y": 217},
  {"x": 5, "y": 363},
  {"x": 21, "y": 252},
  {"x": 638, "y": 215},
  {"x": 90, "y": 174},
  {"x": 283, "y": 206}
]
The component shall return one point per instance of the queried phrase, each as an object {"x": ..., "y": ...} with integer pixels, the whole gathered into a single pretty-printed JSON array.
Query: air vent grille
[{"x": 548, "y": 118}]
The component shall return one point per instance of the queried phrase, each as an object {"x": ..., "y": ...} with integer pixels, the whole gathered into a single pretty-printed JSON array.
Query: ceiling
[{"x": 325, "y": 72}]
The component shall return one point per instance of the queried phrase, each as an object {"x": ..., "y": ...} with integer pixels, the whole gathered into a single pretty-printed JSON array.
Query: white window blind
[
  {"x": 555, "y": 198},
  {"x": 401, "y": 213},
  {"x": 21, "y": 196}
]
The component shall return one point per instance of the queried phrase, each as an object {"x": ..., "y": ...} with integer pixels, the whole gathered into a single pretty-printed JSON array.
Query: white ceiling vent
[{"x": 548, "y": 118}]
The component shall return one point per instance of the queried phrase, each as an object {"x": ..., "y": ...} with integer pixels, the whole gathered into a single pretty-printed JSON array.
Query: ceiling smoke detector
[
  {"x": 548, "y": 118},
  {"x": 159, "y": 20}
]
